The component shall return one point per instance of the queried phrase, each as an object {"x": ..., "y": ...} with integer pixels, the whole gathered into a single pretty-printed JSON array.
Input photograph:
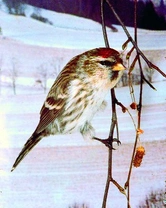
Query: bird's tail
[{"x": 32, "y": 141}]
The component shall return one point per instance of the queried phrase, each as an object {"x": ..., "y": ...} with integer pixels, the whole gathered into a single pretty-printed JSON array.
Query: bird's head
[{"x": 104, "y": 66}]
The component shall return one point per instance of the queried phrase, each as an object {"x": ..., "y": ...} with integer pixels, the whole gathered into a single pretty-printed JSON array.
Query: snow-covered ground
[
  {"x": 69, "y": 31},
  {"x": 63, "y": 170}
]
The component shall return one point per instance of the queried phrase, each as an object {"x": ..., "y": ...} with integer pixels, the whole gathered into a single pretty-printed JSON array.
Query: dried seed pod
[
  {"x": 140, "y": 131},
  {"x": 131, "y": 68},
  {"x": 133, "y": 106},
  {"x": 140, "y": 152},
  {"x": 124, "y": 46},
  {"x": 124, "y": 109},
  {"x": 129, "y": 53}
]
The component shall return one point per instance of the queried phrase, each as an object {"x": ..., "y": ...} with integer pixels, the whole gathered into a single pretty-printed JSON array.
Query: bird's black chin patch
[{"x": 115, "y": 75}]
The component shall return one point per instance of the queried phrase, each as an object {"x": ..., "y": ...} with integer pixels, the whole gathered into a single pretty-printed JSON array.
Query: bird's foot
[{"x": 108, "y": 142}]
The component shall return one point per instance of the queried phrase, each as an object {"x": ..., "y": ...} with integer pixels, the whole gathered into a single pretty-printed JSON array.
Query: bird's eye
[{"x": 107, "y": 63}]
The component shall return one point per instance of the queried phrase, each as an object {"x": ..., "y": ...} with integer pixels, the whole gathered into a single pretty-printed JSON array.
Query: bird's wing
[
  {"x": 51, "y": 109},
  {"x": 56, "y": 99}
]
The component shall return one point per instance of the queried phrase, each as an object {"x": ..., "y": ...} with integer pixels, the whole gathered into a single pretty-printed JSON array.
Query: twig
[
  {"x": 103, "y": 25},
  {"x": 110, "y": 150},
  {"x": 139, "y": 109},
  {"x": 130, "y": 39},
  {"x": 127, "y": 184},
  {"x": 114, "y": 121}
]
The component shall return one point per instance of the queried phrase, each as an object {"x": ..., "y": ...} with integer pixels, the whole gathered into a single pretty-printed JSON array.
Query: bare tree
[
  {"x": 15, "y": 6},
  {"x": 13, "y": 73},
  {"x": 79, "y": 206},
  {"x": 44, "y": 75},
  {"x": 56, "y": 63},
  {"x": 155, "y": 199}
]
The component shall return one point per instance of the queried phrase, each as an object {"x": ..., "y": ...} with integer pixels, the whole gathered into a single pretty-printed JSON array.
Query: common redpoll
[{"x": 76, "y": 95}]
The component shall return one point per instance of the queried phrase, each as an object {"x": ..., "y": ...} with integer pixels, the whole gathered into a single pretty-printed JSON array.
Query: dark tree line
[{"x": 15, "y": 6}]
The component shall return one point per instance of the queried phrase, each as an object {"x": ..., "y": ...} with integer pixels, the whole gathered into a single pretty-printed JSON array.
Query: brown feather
[
  {"x": 32, "y": 141},
  {"x": 49, "y": 115}
]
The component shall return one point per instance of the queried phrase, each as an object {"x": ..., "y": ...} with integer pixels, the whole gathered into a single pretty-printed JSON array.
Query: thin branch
[
  {"x": 114, "y": 119},
  {"x": 127, "y": 184},
  {"x": 138, "y": 127},
  {"x": 114, "y": 122},
  {"x": 103, "y": 25},
  {"x": 134, "y": 43},
  {"x": 110, "y": 149}
]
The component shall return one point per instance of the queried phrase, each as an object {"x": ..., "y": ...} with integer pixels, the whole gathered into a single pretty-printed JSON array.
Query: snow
[
  {"x": 69, "y": 31},
  {"x": 62, "y": 170}
]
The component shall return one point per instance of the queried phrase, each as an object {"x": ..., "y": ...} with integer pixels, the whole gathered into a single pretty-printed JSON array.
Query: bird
[{"x": 76, "y": 95}]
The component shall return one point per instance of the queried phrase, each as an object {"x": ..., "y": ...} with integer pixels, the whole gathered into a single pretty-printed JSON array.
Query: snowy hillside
[
  {"x": 32, "y": 43},
  {"x": 69, "y": 31},
  {"x": 29, "y": 45}
]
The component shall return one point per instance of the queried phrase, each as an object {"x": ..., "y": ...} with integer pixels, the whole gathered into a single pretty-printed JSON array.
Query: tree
[
  {"x": 15, "y": 6},
  {"x": 79, "y": 206},
  {"x": 44, "y": 74},
  {"x": 150, "y": 19},
  {"x": 13, "y": 74},
  {"x": 162, "y": 9},
  {"x": 57, "y": 65},
  {"x": 154, "y": 199}
]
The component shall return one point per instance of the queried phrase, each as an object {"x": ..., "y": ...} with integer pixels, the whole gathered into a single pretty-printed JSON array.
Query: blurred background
[{"x": 37, "y": 38}]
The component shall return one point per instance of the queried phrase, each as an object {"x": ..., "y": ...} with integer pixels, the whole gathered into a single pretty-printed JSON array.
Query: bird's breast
[{"x": 80, "y": 110}]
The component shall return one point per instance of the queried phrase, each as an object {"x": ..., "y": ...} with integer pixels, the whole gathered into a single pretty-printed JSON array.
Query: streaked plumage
[{"x": 76, "y": 95}]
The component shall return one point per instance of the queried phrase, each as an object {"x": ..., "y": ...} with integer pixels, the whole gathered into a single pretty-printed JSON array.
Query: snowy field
[{"x": 62, "y": 170}]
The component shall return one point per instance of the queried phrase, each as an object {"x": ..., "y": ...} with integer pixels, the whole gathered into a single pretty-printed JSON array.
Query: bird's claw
[{"x": 108, "y": 142}]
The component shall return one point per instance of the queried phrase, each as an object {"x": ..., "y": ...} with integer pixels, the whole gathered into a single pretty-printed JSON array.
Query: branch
[
  {"x": 114, "y": 124},
  {"x": 130, "y": 39}
]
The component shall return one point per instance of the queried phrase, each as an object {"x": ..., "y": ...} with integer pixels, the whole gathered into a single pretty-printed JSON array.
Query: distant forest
[{"x": 148, "y": 16}]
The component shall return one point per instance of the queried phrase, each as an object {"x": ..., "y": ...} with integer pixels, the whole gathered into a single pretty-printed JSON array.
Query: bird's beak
[{"x": 118, "y": 67}]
